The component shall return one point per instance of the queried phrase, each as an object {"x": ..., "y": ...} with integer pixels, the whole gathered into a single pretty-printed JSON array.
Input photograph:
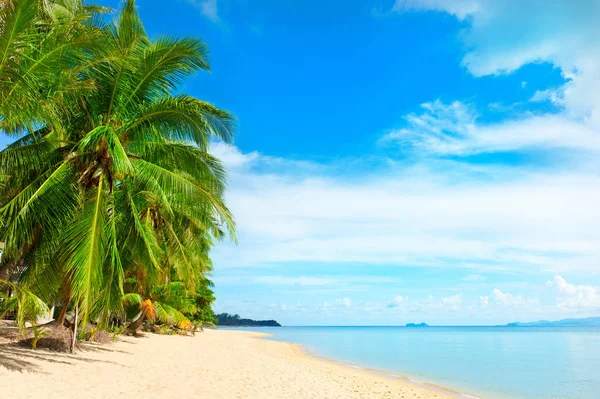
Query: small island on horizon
[
  {"x": 234, "y": 320},
  {"x": 584, "y": 322},
  {"x": 420, "y": 325}
]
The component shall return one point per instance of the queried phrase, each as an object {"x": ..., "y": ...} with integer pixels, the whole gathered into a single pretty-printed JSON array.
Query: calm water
[{"x": 490, "y": 362}]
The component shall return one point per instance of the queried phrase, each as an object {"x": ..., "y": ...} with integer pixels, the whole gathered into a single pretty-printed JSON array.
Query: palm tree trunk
[
  {"x": 65, "y": 292},
  {"x": 7, "y": 269},
  {"x": 60, "y": 320},
  {"x": 137, "y": 321},
  {"x": 74, "y": 338}
]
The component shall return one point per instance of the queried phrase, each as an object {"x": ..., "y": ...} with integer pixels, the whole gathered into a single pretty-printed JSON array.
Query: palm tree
[
  {"x": 42, "y": 45},
  {"x": 120, "y": 181},
  {"x": 172, "y": 288}
]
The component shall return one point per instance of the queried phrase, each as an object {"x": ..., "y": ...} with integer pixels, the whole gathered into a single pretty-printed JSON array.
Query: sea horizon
[
  {"x": 399, "y": 326},
  {"x": 496, "y": 362}
]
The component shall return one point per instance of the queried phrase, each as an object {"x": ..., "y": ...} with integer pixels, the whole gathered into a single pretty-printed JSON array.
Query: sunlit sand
[{"x": 213, "y": 364}]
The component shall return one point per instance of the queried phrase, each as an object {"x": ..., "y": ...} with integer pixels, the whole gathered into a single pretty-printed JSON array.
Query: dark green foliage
[
  {"x": 109, "y": 199},
  {"x": 204, "y": 315},
  {"x": 226, "y": 319}
]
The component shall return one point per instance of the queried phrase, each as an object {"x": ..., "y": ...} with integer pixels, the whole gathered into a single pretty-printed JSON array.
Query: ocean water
[{"x": 487, "y": 362}]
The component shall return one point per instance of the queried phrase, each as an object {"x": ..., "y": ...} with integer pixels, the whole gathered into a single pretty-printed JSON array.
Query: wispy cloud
[
  {"x": 460, "y": 8},
  {"x": 208, "y": 8},
  {"x": 507, "y": 299},
  {"x": 452, "y": 129},
  {"x": 397, "y": 301},
  {"x": 438, "y": 214},
  {"x": 503, "y": 36}
]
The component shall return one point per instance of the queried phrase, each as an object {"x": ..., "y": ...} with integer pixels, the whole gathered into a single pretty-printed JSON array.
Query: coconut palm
[
  {"x": 42, "y": 45},
  {"x": 123, "y": 184},
  {"x": 172, "y": 288}
]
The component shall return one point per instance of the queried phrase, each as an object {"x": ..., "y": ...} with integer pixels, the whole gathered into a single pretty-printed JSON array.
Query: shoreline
[
  {"x": 388, "y": 374},
  {"x": 304, "y": 351},
  {"x": 212, "y": 364}
]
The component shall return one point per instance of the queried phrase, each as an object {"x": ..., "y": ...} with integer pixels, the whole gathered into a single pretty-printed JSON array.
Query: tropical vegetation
[
  {"x": 234, "y": 320},
  {"x": 109, "y": 197}
]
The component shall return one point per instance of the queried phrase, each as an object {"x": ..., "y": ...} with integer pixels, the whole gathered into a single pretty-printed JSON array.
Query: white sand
[{"x": 213, "y": 364}]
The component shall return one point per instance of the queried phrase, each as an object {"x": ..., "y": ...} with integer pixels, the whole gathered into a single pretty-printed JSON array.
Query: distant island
[
  {"x": 234, "y": 320},
  {"x": 417, "y": 325},
  {"x": 585, "y": 322}
]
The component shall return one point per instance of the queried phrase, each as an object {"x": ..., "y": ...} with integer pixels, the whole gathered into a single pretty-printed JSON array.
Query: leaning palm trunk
[
  {"x": 147, "y": 311},
  {"x": 137, "y": 322}
]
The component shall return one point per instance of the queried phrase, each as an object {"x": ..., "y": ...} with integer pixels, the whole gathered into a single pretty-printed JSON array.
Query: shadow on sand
[{"x": 15, "y": 357}]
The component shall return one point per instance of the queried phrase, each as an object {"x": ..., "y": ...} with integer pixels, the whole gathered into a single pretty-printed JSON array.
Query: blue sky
[{"x": 404, "y": 161}]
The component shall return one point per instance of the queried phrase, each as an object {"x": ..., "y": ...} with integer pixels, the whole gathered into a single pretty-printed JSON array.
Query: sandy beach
[{"x": 213, "y": 364}]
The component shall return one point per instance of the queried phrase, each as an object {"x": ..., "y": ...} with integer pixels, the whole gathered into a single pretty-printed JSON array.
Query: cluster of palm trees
[{"x": 109, "y": 198}]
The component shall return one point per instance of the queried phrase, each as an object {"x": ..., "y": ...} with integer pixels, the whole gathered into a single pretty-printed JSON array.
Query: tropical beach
[
  {"x": 299, "y": 199},
  {"x": 212, "y": 364}
]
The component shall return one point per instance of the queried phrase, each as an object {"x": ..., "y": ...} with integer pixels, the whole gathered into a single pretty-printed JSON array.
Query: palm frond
[
  {"x": 182, "y": 118},
  {"x": 175, "y": 183},
  {"x": 86, "y": 244},
  {"x": 27, "y": 305}
]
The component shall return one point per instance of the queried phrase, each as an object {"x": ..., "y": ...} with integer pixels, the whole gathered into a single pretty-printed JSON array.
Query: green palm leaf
[
  {"x": 109, "y": 197},
  {"x": 86, "y": 243}
]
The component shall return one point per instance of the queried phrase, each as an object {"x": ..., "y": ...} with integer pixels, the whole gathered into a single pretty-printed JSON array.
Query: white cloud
[
  {"x": 232, "y": 157},
  {"x": 507, "y": 299},
  {"x": 208, "y": 8},
  {"x": 453, "y": 302},
  {"x": 570, "y": 296},
  {"x": 484, "y": 301},
  {"x": 440, "y": 213},
  {"x": 554, "y": 300},
  {"x": 553, "y": 95},
  {"x": 397, "y": 301},
  {"x": 499, "y": 217},
  {"x": 460, "y": 8},
  {"x": 502, "y": 36},
  {"x": 452, "y": 129}
]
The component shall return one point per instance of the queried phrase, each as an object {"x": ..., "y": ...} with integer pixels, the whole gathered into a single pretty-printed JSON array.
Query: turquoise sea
[{"x": 486, "y": 362}]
